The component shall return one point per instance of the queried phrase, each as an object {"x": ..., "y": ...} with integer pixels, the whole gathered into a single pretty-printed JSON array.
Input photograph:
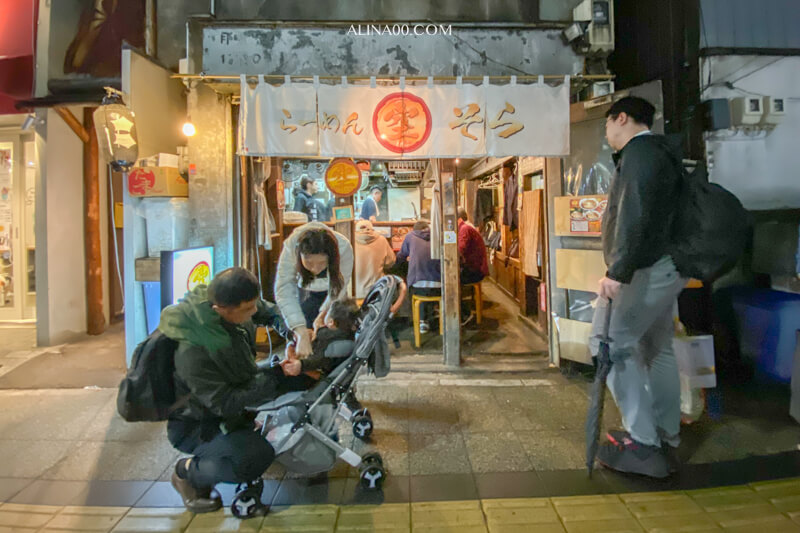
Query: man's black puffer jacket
[{"x": 642, "y": 201}]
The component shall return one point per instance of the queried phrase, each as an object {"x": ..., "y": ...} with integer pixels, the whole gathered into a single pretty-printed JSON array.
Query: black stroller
[{"x": 302, "y": 426}]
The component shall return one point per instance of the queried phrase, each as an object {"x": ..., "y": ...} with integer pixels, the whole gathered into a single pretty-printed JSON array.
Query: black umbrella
[{"x": 594, "y": 416}]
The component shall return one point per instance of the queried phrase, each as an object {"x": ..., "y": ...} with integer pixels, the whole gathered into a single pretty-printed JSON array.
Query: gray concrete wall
[
  {"x": 60, "y": 256},
  {"x": 172, "y": 16},
  {"x": 348, "y": 50},
  {"x": 160, "y": 108},
  {"x": 210, "y": 188}
]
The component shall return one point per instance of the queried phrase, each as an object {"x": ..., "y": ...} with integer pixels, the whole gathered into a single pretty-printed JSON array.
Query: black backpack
[
  {"x": 147, "y": 393},
  {"x": 711, "y": 228}
]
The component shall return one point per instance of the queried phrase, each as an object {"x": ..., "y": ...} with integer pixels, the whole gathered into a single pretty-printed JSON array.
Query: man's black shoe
[
  {"x": 193, "y": 498},
  {"x": 617, "y": 436},
  {"x": 631, "y": 457}
]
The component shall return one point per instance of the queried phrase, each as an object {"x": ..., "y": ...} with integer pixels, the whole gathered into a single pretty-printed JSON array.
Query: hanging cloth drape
[
  {"x": 531, "y": 231},
  {"x": 265, "y": 223}
]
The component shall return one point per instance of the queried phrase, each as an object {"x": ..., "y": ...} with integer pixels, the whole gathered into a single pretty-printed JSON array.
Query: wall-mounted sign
[
  {"x": 343, "y": 177},
  {"x": 183, "y": 270},
  {"x": 343, "y": 213},
  {"x": 460, "y": 120}
]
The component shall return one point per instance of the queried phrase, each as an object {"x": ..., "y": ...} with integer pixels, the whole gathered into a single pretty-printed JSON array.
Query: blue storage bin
[{"x": 767, "y": 323}]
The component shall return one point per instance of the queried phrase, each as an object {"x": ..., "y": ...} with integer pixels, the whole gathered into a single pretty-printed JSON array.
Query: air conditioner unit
[
  {"x": 747, "y": 110},
  {"x": 774, "y": 111},
  {"x": 599, "y": 14}
]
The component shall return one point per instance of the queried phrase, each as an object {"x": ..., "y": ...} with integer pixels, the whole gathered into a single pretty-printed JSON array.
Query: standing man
[
  {"x": 305, "y": 202},
  {"x": 472, "y": 257},
  {"x": 642, "y": 284},
  {"x": 369, "y": 207}
]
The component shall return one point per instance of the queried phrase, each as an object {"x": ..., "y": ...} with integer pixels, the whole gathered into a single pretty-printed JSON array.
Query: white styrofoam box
[
  {"x": 695, "y": 356},
  {"x": 160, "y": 159},
  {"x": 167, "y": 224}
]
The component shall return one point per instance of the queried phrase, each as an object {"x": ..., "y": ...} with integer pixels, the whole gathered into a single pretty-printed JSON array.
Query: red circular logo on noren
[{"x": 401, "y": 122}]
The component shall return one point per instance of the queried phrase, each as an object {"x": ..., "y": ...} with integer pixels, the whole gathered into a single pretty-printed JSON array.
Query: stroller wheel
[
  {"x": 362, "y": 426},
  {"x": 372, "y": 477},
  {"x": 247, "y": 501}
]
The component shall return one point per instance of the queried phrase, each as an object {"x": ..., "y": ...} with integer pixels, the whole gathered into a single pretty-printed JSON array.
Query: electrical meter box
[
  {"x": 600, "y": 16},
  {"x": 747, "y": 110},
  {"x": 774, "y": 110}
]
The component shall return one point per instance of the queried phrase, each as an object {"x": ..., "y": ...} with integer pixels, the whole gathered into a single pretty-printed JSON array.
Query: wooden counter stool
[
  {"x": 477, "y": 297},
  {"x": 416, "y": 300}
]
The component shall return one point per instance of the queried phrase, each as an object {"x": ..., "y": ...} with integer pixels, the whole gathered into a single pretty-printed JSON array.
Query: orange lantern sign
[
  {"x": 402, "y": 122},
  {"x": 343, "y": 177}
]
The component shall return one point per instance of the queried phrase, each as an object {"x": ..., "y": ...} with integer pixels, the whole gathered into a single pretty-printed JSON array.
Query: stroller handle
[{"x": 401, "y": 295}]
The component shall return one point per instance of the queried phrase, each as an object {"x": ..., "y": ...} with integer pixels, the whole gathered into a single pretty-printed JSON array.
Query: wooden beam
[
  {"x": 347, "y": 229},
  {"x": 95, "y": 318},
  {"x": 74, "y": 124},
  {"x": 247, "y": 224},
  {"x": 451, "y": 286}
]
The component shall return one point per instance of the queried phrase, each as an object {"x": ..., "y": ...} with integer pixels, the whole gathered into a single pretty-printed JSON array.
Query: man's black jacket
[
  {"x": 637, "y": 224},
  {"x": 215, "y": 361}
]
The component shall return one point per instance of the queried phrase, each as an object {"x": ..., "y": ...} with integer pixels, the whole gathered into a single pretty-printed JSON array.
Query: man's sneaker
[
  {"x": 617, "y": 436},
  {"x": 423, "y": 326},
  {"x": 631, "y": 457},
  {"x": 196, "y": 500}
]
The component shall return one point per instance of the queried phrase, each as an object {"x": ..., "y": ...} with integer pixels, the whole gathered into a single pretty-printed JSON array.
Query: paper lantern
[{"x": 116, "y": 135}]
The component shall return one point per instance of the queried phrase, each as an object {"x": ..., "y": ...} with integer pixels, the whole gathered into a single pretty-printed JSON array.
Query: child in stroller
[
  {"x": 331, "y": 344},
  {"x": 302, "y": 426}
]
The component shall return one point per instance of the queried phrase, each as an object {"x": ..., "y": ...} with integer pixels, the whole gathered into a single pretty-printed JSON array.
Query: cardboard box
[
  {"x": 160, "y": 160},
  {"x": 579, "y": 216},
  {"x": 157, "y": 181},
  {"x": 579, "y": 270},
  {"x": 573, "y": 340}
]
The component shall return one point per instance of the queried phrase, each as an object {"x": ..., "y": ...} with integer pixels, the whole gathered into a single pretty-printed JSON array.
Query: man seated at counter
[
  {"x": 472, "y": 257},
  {"x": 373, "y": 256},
  {"x": 369, "y": 207},
  {"x": 424, "y": 273},
  {"x": 304, "y": 200}
]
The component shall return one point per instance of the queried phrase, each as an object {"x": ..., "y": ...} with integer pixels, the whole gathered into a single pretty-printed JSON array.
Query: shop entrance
[
  {"x": 17, "y": 243},
  {"x": 505, "y": 316}
]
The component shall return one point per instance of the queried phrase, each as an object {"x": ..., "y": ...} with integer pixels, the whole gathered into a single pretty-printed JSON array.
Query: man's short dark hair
[
  {"x": 420, "y": 225},
  {"x": 344, "y": 314},
  {"x": 233, "y": 286},
  {"x": 375, "y": 188},
  {"x": 462, "y": 213},
  {"x": 304, "y": 181},
  {"x": 637, "y": 108}
]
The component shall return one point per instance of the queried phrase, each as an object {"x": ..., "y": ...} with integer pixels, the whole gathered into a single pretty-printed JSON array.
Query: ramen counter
[{"x": 579, "y": 216}]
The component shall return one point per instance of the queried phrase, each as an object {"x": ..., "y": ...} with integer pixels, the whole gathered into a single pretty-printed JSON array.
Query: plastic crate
[{"x": 767, "y": 324}]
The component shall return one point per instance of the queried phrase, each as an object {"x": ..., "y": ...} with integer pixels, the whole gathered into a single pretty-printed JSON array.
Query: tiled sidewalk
[{"x": 768, "y": 506}]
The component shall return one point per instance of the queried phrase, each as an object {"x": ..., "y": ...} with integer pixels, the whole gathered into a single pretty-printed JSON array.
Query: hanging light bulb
[{"x": 188, "y": 127}]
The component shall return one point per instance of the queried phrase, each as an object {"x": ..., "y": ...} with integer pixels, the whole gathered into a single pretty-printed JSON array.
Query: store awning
[{"x": 17, "y": 49}]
